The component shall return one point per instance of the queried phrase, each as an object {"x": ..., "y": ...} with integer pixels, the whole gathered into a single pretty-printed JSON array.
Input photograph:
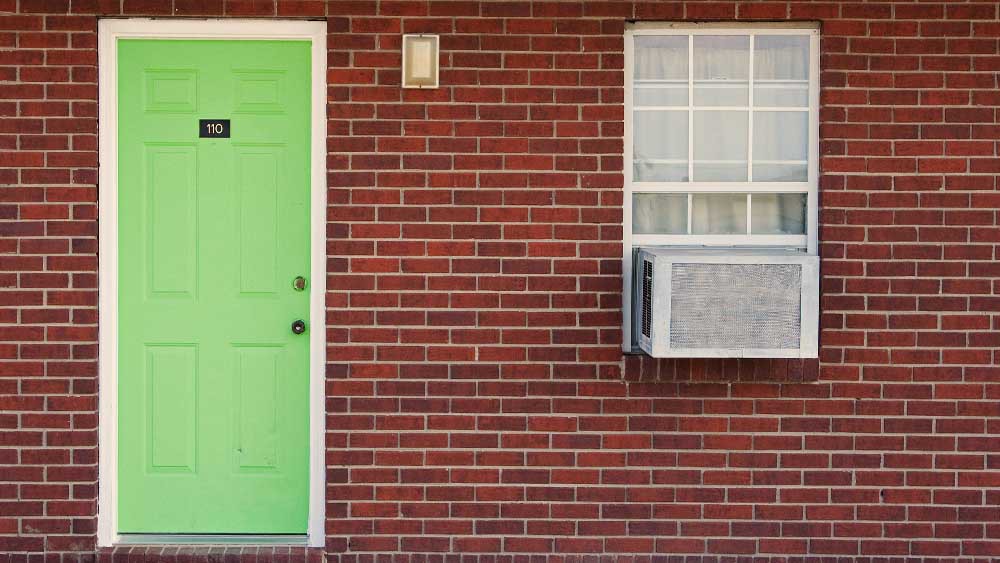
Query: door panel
[
  {"x": 213, "y": 406},
  {"x": 257, "y": 417},
  {"x": 259, "y": 173},
  {"x": 172, "y": 220},
  {"x": 172, "y": 373}
]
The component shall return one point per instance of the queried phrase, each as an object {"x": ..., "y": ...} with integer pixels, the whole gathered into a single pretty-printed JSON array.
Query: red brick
[{"x": 474, "y": 274}]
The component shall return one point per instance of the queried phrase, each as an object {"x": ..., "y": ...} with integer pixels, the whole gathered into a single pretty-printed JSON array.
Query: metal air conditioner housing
[{"x": 732, "y": 303}]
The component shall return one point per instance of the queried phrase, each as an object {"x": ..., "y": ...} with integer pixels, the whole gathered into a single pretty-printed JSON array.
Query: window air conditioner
[{"x": 737, "y": 303}]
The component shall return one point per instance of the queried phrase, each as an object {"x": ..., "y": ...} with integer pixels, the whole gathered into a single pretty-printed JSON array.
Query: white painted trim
[
  {"x": 107, "y": 320},
  {"x": 810, "y": 186},
  {"x": 722, "y": 28},
  {"x": 795, "y": 241},
  {"x": 316, "y": 530},
  {"x": 788, "y": 109},
  {"x": 750, "y": 114},
  {"x": 721, "y": 187},
  {"x": 109, "y": 31},
  {"x": 812, "y": 173},
  {"x": 629, "y": 168}
]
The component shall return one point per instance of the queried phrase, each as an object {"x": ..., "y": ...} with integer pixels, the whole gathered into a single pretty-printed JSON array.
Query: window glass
[
  {"x": 781, "y": 70},
  {"x": 659, "y": 213},
  {"x": 781, "y": 57},
  {"x": 780, "y": 146},
  {"x": 720, "y": 146},
  {"x": 660, "y": 146},
  {"x": 661, "y": 57},
  {"x": 778, "y": 214},
  {"x": 661, "y": 71},
  {"x": 721, "y": 70},
  {"x": 719, "y": 214}
]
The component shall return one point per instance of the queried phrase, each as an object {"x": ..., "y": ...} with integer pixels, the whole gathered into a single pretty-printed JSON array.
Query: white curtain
[
  {"x": 778, "y": 214},
  {"x": 659, "y": 213},
  {"x": 721, "y": 75},
  {"x": 719, "y": 214},
  {"x": 781, "y": 57},
  {"x": 661, "y": 57},
  {"x": 780, "y": 61}
]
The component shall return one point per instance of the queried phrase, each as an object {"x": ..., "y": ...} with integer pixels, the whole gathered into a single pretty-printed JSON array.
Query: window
[{"x": 721, "y": 145}]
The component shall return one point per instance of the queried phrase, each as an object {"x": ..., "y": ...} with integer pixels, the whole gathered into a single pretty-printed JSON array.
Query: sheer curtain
[
  {"x": 720, "y": 76},
  {"x": 719, "y": 214},
  {"x": 661, "y": 57},
  {"x": 661, "y": 79},
  {"x": 781, "y": 57},
  {"x": 781, "y": 79},
  {"x": 659, "y": 213},
  {"x": 778, "y": 214}
]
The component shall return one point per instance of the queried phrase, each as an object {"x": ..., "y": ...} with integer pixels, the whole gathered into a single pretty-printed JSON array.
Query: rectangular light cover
[{"x": 420, "y": 61}]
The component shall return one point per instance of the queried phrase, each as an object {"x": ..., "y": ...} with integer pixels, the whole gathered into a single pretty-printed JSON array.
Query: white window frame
[
  {"x": 807, "y": 242},
  {"x": 109, "y": 31}
]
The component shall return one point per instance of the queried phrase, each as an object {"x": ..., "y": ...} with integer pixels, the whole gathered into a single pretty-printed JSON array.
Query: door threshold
[{"x": 295, "y": 540}]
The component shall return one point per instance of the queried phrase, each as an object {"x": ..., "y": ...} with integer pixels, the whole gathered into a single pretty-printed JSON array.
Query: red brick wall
[{"x": 478, "y": 401}]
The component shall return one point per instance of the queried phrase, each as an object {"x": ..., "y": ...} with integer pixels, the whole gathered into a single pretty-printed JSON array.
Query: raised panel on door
[
  {"x": 171, "y": 222},
  {"x": 172, "y": 408},
  {"x": 258, "y": 172}
]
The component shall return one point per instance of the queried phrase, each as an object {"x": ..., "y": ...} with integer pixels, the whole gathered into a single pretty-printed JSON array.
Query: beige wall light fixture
[{"x": 420, "y": 61}]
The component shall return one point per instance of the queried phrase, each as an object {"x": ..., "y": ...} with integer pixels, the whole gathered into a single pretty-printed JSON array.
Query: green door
[{"x": 213, "y": 385}]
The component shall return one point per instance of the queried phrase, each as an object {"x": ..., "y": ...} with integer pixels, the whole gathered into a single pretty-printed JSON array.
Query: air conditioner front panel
[{"x": 735, "y": 306}]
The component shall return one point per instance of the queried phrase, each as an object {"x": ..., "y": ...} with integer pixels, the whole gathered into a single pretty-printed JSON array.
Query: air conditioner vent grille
[
  {"x": 734, "y": 306},
  {"x": 647, "y": 296}
]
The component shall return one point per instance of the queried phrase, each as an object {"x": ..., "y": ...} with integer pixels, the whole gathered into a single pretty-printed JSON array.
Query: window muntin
[{"x": 727, "y": 111}]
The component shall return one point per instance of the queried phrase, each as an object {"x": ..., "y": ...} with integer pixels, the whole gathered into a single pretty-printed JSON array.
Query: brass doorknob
[{"x": 299, "y": 283}]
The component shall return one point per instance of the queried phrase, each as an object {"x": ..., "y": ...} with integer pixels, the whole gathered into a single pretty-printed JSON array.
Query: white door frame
[{"x": 109, "y": 31}]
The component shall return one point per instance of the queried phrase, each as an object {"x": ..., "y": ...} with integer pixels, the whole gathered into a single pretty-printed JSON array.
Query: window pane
[
  {"x": 660, "y": 214},
  {"x": 781, "y": 57},
  {"x": 721, "y": 94},
  {"x": 721, "y": 70},
  {"x": 646, "y": 171},
  {"x": 719, "y": 214},
  {"x": 660, "y": 146},
  {"x": 661, "y": 71},
  {"x": 720, "y": 146},
  {"x": 780, "y": 172},
  {"x": 781, "y": 70},
  {"x": 780, "y": 94},
  {"x": 780, "y": 136},
  {"x": 661, "y": 57},
  {"x": 778, "y": 214},
  {"x": 660, "y": 94}
]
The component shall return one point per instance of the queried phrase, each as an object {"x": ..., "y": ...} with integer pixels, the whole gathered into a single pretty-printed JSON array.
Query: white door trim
[{"x": 109, "y": 31}]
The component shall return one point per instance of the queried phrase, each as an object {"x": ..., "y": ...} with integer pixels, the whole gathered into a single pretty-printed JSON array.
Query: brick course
[{"x": 478, "y": 400}]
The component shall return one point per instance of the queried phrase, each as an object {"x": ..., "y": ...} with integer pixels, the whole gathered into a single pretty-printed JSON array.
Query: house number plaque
[{"x": 213, "y": 128}]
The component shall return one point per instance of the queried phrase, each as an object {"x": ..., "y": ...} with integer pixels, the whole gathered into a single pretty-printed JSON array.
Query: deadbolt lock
[{"x": 299, "y": 283}]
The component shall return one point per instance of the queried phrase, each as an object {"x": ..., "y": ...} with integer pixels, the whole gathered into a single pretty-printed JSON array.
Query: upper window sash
[
  {"x": 736, "y": 171},
  {"x": 687, "y": 83}
]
